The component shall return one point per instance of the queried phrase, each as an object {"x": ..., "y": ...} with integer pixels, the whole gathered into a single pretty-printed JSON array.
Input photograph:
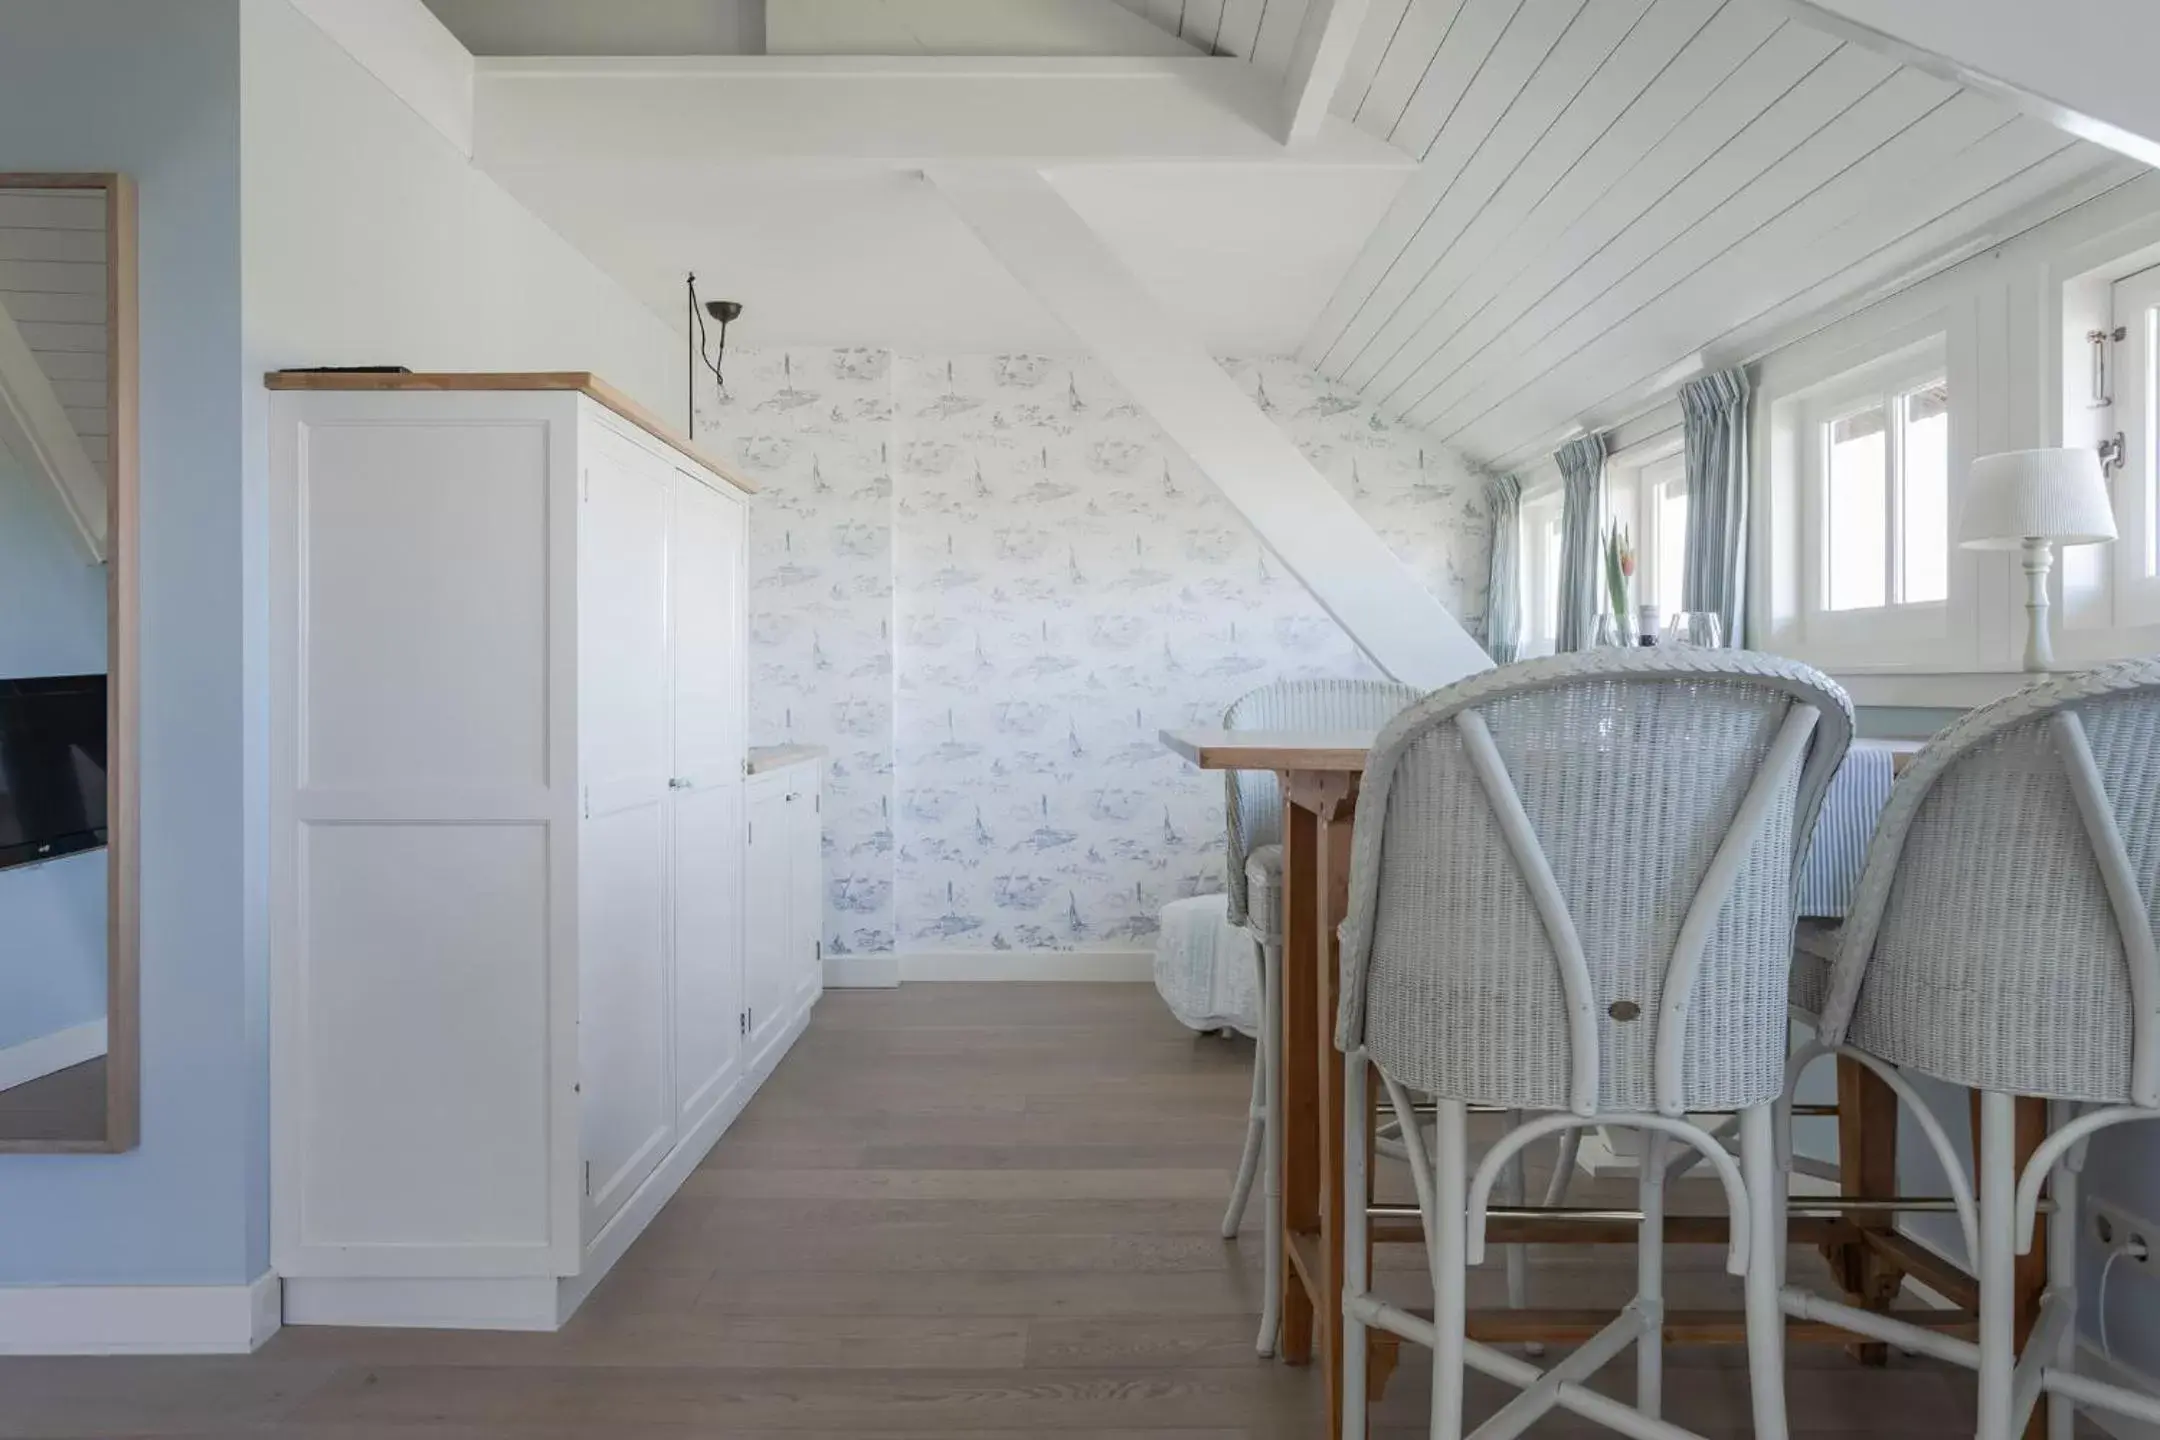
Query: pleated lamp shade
[{"x": 2055, "y": 495}]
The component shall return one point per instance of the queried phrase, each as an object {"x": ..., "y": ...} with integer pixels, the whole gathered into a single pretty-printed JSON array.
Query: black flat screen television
[{"x": 52, "y": 767}]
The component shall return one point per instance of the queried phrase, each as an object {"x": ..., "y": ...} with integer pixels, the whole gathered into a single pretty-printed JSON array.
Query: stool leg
[
  {"x": 1650, "y": 1276},
  {"x": 1357, "y": 1256},
  {"x": 1998, "y": 1262},
  {"x": 1255, "y": 1141},
  {"x": 1271, "y": 1206},
  {"x": 2062, "y": 1242},
  {"x": 1451, "y": 1278},
  {"x": 1765, "y": 1317}
]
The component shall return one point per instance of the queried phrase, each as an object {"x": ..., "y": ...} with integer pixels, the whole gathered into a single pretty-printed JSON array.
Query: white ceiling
[
  {"x": 1609, "y": 187},
  {"x": 859, "y": 257},
  {"x": 1606, "y": 190}
]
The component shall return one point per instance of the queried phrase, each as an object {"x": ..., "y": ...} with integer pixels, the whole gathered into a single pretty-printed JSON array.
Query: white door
[
  {"x": 628, "y": 1104},
  {"x": 768, "y": 978},
  {"x": 808, "y": 874},
  {"x": 705, "y": 566}
]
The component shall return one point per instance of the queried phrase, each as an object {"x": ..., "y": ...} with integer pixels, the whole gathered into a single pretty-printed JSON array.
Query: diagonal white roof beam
[
  {"x": 1291, "y": 506},
  {"x": 2084, "y": 67},
  {"x": 35, "y": 428},
  {"x": 1325, "y": 39}
]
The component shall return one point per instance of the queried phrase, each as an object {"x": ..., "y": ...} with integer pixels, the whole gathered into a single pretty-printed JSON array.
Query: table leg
[
  {"x": 1867, "y": 1166},
  {"x": 1297, "y": 1101},
  {"x": 1332, "y": 878}
]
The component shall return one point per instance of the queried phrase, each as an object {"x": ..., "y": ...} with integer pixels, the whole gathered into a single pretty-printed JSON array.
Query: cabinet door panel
[
  {"x": 768, "y": 979},
  {"x": 708, "y": 946},
  {"x": 705, "y": 565},
  {"x": 808, "y": 910},
  {"x": 628, "y": 1104}
]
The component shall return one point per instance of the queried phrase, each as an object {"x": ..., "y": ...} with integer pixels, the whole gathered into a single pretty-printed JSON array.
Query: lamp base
[{"x": 2038, "y": 558}]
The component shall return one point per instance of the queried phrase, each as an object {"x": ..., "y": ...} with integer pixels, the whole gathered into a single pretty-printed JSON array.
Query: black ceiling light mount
[{"x": 724, "y": 311}]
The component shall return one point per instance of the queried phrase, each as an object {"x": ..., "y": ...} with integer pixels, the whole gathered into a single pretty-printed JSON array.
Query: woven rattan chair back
[
  {"x": 2002, "y": 934},
  {"x": 1253, "y": 798},
  {"x": 1573, "y": 880}
]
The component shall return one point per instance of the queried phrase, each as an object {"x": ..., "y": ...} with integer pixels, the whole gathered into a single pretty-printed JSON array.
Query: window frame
[
  {"x": 2134, "y": 557},
  {"x": 1644, "y": 474},
  {"x": 1538, "y": 574},
  {"x": 1896, "y": 630}
]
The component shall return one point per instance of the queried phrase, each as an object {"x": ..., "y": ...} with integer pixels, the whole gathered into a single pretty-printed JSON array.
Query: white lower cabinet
[
  {"x": 525, "y": 963},
  {"x": 784, "y": 967}
]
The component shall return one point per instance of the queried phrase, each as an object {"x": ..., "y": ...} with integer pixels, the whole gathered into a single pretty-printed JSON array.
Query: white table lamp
[{"x": 2028, "y": 500}]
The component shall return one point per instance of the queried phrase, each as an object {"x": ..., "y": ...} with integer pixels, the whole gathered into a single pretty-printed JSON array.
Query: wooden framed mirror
[{"x": 69, "y": 1057}]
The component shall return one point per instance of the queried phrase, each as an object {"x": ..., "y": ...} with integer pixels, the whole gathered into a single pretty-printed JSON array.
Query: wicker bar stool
[
  {"x": 1253, "y": 804},
  {"x": 1572, "y": 890},
  {"x": 2002, "y": 941}
]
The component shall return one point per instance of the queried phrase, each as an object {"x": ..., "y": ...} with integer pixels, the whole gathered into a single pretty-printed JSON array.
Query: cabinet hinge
[
  {"x": 585, "y": 483},
  {"x": 750, "y": 833},
  {"x": 821, "y": 950},
  {"x": 588, "y": 1179},
  {"x": 742, "y": 1021},
  {"x": 586, "y": 796}
]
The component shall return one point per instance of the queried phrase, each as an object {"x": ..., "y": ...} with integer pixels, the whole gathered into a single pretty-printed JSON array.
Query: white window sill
[{"x": 1956, "y": 690}]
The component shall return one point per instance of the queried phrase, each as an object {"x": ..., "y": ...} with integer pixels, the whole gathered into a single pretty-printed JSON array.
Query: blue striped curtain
[
  {"x": 1713, "y": 573},
  {"x": 1582, "y": 506},
  {"x": 1503, "y": 583}
]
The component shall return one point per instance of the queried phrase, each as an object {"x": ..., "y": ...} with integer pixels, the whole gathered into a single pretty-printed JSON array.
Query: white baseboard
[
  {"x": 516, "y": 1302},
  {"x": 1025, "y": 965},
  {"x": 138, "y": 1319},
  {"x": 862, "y": 972},
  {"x": 531, "y": 1302},
  {"x": 49, "y": 1054}
]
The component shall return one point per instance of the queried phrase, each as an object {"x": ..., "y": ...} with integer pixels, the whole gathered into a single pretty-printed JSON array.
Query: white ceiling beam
[
  {"x": 962, "y": 27},
  {"x": 34, "y": 427},
  {"x": 908, "y": 111},
  {"x": 1291, "y": 506},
  {"x": 2084, "y": 67},
  {"x": 1324, "y": 43}
]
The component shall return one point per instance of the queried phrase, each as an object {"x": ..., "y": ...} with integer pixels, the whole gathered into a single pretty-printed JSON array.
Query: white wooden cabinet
[
  {"x": 784, "y": 964},
  {"x": 513, "y": 966}
]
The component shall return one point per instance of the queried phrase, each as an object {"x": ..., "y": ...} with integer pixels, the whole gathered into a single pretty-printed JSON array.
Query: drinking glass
[
  {"x": 1609, "y": 632},
  {"x": 1699, "y": 628}
]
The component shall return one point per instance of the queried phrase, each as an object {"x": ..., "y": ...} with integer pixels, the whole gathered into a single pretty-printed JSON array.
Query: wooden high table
[{"x": 1320, "y": 772}]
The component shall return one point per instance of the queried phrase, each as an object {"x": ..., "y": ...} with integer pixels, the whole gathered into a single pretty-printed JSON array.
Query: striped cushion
[{"x": 1856, "y": 797}]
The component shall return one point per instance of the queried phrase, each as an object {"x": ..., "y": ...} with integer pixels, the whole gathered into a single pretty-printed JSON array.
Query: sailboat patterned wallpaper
[{"x": 986, "y": 582}]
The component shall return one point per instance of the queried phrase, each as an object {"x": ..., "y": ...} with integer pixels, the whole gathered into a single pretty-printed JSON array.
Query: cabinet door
[
  {"x": 768, "y": 979},
  {"x": 808, "y": 910},
  {"x": 704, "y": 573},
  {"x": 628, "y": 1103}
]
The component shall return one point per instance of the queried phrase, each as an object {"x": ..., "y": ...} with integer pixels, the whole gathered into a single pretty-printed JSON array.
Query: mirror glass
[{"x": 67, "y": 943}]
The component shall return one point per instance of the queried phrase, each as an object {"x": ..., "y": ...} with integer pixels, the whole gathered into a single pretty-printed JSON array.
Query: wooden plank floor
[{"x": 978, "y": 1210}]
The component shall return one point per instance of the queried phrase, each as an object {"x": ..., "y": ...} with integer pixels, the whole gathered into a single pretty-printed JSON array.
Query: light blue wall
[
  {"x": 52, "y": 622},
  {"x": 151, "y": 88}
]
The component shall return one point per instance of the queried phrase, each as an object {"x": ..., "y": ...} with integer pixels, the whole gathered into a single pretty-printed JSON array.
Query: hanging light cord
[{"x": 701, "y": 354}]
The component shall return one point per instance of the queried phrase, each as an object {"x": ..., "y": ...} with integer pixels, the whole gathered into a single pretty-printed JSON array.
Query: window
[
  {"x": 2137, "y": 414},
  {"x": 1867, "y": 459},
  {"x": 1646, "y": 492},
  {"x": 1885, "y": 476},
  {"x": 1539, "y": 574}
]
